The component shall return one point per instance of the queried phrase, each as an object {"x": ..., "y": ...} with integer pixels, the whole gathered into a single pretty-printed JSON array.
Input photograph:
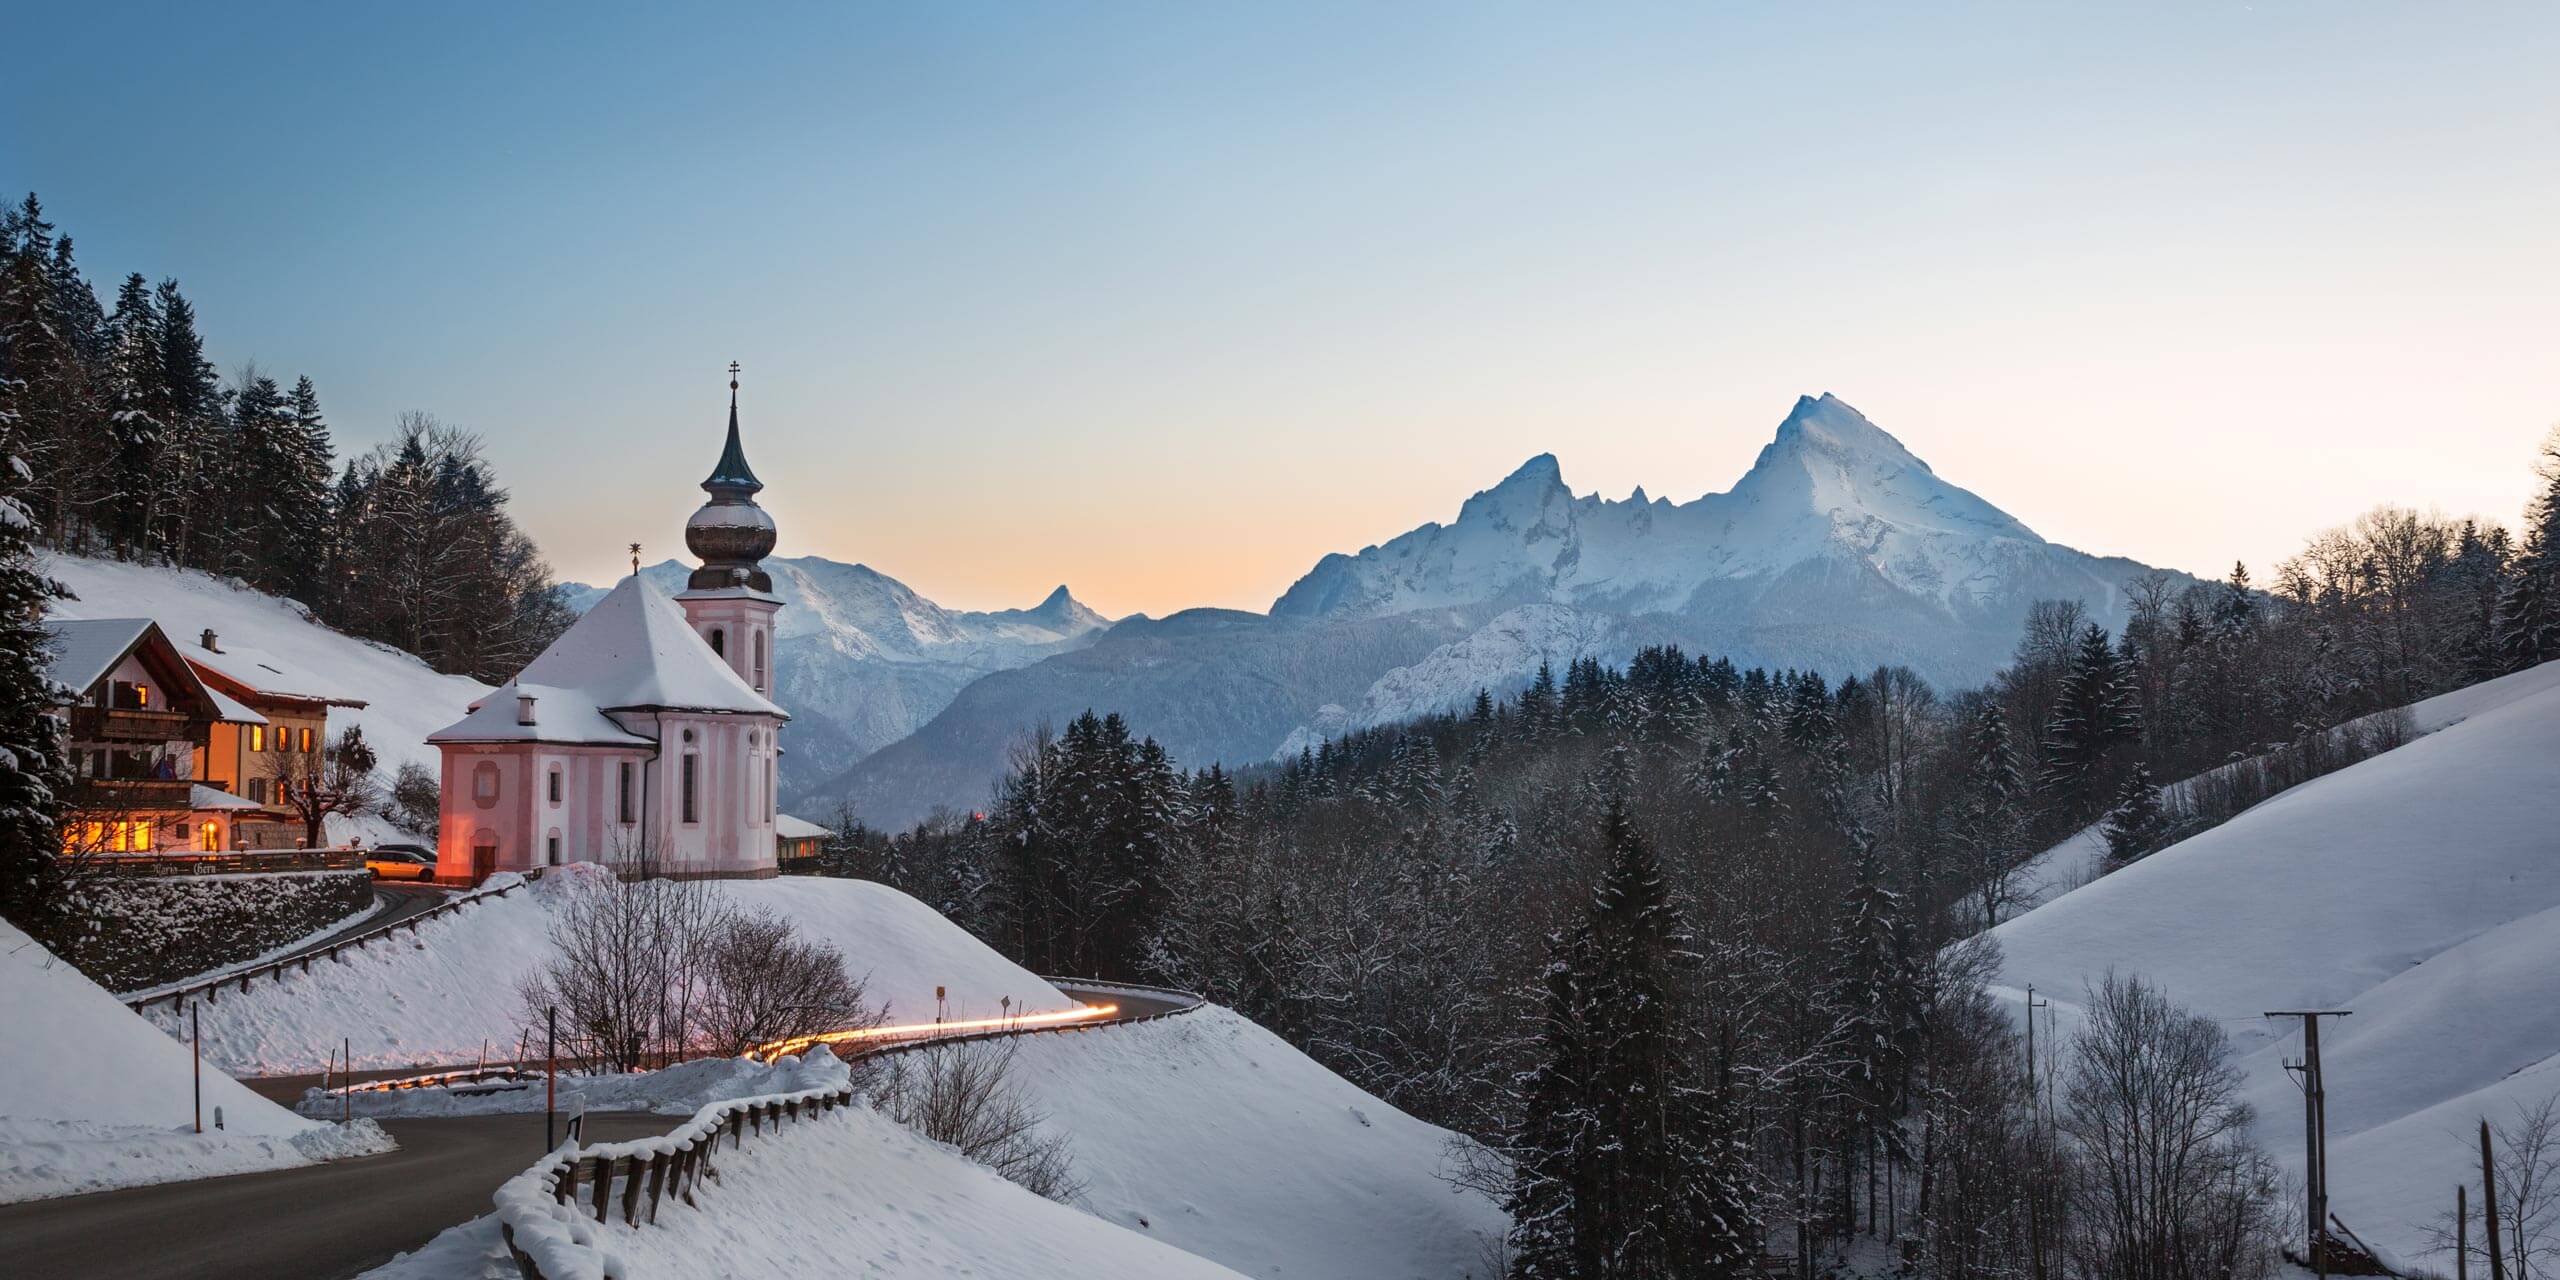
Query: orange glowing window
[
  {"x": 210, "y": 838},
  {"x": 257, "y": 737}
]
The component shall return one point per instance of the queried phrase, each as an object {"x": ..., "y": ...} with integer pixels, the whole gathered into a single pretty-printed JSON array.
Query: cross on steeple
[
  {"x": 635, "y": 558},
  {"x": 733, "y": 384}
]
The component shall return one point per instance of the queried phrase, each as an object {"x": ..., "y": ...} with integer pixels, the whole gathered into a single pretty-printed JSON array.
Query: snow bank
[
  {"x": 851, "y": 1192},
  {"x": 432, "y": 997},
  {"x": 93, "y": 1097},
  {"x": 1213, "y": 1135},
  {"x": 2420, "y": 888}
]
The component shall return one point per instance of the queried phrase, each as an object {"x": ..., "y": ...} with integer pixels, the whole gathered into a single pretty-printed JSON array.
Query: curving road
[{"x": 339, "y": 1219}]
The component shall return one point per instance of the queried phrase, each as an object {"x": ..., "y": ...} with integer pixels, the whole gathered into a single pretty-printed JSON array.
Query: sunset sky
[{"x": 1166, "y": 301}]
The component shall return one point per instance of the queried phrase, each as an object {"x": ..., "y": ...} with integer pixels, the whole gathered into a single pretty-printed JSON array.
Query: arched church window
[
  {"x": 759, "y": 647},
  {"x": 719, "y": 642}
]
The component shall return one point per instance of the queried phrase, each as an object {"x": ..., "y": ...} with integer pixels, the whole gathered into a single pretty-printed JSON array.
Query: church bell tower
[{"x": 730, "y": 600}]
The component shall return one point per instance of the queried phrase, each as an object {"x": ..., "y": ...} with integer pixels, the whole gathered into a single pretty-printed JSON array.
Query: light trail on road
[{"x": 914, "y": 1030}]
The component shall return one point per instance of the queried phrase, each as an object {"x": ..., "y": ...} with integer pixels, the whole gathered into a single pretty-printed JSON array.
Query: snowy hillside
[
  {"x": 1837, "y": 552},
  {"x": 406, "y": 700},
  {"x": 861, "y": 660},
  {"x": 433, "y": 1001},
  {"x": 1215, "y": 1136},
  {"x": 91, "y": 1096},
  {"x": 853, "y": 1193},
  {"x": 2420, "y": 888}
]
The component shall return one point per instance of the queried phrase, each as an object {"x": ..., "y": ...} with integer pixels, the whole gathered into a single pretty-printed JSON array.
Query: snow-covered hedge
[{"x": 134, "y": 933}]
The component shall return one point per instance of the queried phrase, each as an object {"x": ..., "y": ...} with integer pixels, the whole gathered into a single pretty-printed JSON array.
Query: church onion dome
[{"x": 731, "y": 534}]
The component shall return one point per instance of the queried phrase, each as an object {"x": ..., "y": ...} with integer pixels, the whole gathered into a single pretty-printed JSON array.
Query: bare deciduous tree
[
  {"x": 2527, "y": 1146},
  {"x": 2163, "y": 1181},
  {"x": 963, "y": 1093},
  {"x": 762, "y": 982}
]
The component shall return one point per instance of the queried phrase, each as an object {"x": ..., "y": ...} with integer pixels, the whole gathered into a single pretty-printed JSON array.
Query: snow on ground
[
  {"x": 92, "y": 1097},
  {"x": 433, "y": 996},
  {"x": 2081, "y": 857},
  {"x": 1210, "y": 1133},
  {"x": 850, "y": 1194},
  {"x": 2420, "y": 888},
  {"x": 680, "y": 1090},
  {"x": 350, "y": 921}
]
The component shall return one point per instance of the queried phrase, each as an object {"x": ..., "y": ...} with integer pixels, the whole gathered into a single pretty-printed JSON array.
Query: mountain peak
[
  {"x": 1522, "y": 497},
  {"x": 1830, "y": 424}
]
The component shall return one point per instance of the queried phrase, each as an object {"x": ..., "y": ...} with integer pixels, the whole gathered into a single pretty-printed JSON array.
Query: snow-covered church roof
[{"x": 633, "y": 651}]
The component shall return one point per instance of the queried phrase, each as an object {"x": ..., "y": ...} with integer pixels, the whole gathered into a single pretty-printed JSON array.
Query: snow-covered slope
[
  {"x": 861, "y": 660},
  {"x": 2420, "y": 888},
  {"x": 1215, "y": 1136},
  {"x": 405, "y": 699},
  {"x": 434, "y": 999},
  {"x": 91, "y": 1096},
  {"x": 852, "y": 1193}
]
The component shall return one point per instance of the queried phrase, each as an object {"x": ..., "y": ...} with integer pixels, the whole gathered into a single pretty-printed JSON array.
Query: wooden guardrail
[
  {"x": 536, "y": 1208},
  {"x": 211, "y": 988}
]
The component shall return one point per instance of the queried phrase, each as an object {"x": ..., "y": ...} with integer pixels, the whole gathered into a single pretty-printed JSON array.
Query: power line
[{"x": 2315, "y": 1131}]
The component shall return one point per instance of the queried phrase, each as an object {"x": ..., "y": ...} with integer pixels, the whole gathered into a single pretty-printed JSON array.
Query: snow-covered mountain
[
  {"x": 861, "y": 660},
  {"x": 1839, "y": 550}
]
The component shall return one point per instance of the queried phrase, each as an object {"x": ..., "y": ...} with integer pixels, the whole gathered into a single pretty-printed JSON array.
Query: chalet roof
[
  {"x": 791, "y": 828},
  {"x": 566, "y": 716},
  {"x": 86, "y": 649},
  {"x": 635, "y": 651},
  {"x": 258, "y": 670}
]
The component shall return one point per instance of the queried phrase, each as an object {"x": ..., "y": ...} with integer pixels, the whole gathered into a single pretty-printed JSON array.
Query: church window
[
  {"x": 555, "y": 784},
  {"x": 719, "y": 642},
  {"x": 551, "y": 848},
  {"x": 622, "y": 793},
  {"x": 759, "y": 647},
  {"x": 692, "y": 788},
  {"x": 484, "y": 784}
]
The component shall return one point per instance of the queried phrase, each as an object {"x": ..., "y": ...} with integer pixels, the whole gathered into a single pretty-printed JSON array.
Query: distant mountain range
[{"x": 1838, "y": 551}]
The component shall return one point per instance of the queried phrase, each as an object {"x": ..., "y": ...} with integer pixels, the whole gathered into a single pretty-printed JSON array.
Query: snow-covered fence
[
  {"x": 211, "y": 988},
  {"x": 548, "y": 1214}
]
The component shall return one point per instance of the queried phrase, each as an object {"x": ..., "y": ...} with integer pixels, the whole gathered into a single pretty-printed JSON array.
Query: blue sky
[{"x": 1165, "y": 301}]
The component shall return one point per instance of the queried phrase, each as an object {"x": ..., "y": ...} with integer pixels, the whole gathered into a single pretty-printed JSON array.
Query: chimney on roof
[
  {"x": 524, "y": 708},
  {"x": 209, "y": 641}
]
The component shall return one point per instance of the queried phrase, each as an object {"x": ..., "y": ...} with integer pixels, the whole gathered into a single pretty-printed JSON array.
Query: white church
[{"x": 646, "y": 734}]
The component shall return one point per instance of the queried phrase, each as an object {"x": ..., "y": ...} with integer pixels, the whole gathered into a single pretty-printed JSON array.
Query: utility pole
[
  {"x": 550, "y": 1074},
  {"x": 195, "y": 1037},
  {"x": 2489, "y": 1205},
  {"x": 2315, "y": 1133},
  {"x": 2461, "y": 1232},
  {"x": 2035, "y": 1131}
]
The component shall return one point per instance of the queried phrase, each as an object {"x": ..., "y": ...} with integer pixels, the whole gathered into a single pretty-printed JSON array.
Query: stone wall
[{"x": 130, "y": 934}]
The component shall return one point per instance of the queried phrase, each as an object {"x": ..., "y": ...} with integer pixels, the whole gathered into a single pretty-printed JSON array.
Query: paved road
[
  {"x": 406, "y": 899},
  {"x": 319, "y": 1223},
  {"x": 1132, "y": 1004}
]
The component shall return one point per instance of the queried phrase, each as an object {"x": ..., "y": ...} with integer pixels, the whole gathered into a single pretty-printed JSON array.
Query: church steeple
[
  {"x": 731, "y": 533},
  {"x": 732, "y": 474}
]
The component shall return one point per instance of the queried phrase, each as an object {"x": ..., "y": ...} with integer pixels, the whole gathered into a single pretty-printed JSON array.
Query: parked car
[{"x": 400, "y": 862}]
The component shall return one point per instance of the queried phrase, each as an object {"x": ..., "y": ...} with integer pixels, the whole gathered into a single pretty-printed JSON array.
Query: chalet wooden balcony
[
  {"x": 131, "y": 795},
  {"x": 100, "y": 724}
]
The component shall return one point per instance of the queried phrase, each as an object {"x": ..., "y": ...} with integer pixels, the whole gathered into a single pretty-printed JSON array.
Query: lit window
[
  {"x": 209, "y": 838},
  {"x": 257, "y": 737},
  {"x": 306, "y": 741}
]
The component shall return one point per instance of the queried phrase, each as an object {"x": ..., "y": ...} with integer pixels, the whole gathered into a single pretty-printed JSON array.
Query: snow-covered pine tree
[
  {"x": 187, "y": 403},
  {"x": 2136, "y": 823},
  {"x": 2094, "y": 715},
  {"x": 2528, "y": 625},
  {"x": 35, "y": 778},
  {"x": 134, "y": 434}
]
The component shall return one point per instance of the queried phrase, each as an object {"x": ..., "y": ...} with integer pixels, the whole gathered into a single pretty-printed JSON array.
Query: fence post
[
  {"x": 631, "y": 1194},
  {"x": 657, "y": 1183},
  {"x": 604, "y": 1187},
  {"x": 565, "y": 1187}
]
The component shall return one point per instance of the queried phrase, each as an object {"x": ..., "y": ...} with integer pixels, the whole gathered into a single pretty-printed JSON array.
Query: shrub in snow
[{"x": 963, "y": 1094}]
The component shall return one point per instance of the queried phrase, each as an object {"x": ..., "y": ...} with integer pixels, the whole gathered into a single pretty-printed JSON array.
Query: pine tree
[
  {"x": 1618, "y": 1174},
  {"x": 2528, "y": 622},
  {"x": 2094, "y": 715},
  {"x": 35, "y": 778},
  {"x": 135, "y": 437},
  {"x": 187, "y": 403},
  {"x": 2136, "y": 823}
]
